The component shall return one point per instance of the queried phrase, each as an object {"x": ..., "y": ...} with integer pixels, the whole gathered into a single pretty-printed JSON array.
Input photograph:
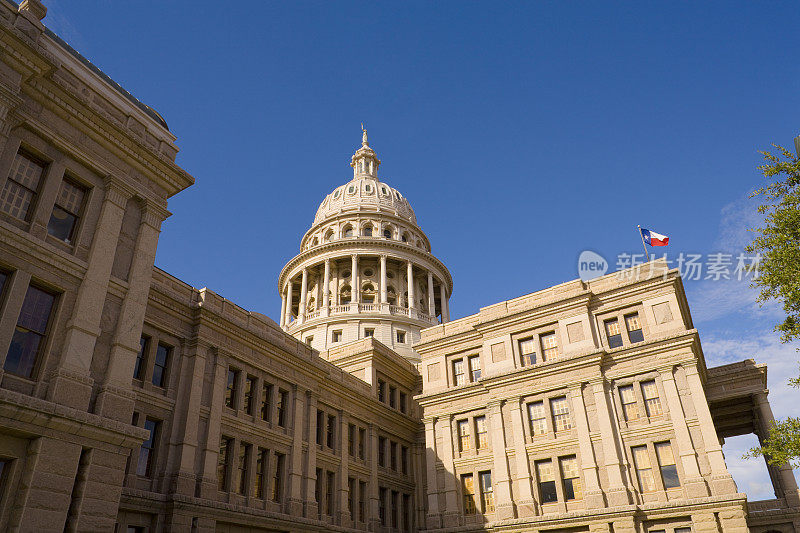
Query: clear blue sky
[{"x": 522, "y": 134}]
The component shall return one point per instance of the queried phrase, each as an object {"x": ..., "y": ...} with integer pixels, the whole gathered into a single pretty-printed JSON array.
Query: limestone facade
[{"x": 133, "y": 402}]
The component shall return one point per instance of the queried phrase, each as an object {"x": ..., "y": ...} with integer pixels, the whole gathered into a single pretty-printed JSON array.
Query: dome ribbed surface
[{"x": 365, "y": 194}]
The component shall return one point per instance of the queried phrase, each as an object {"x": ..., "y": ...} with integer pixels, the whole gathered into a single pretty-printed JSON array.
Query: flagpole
[{"x": 643, "y": 245}]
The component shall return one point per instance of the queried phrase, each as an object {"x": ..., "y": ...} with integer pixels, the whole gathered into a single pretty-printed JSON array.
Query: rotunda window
[
  {"x": 384, "y": 191},
  {"x": 387, "y": 233},
  {"x": 328, "y": 235},
  {"x": 391, "y": 295},
  {"x": 368, "y": 294},
  {"x": 346, "y": 274},
  {"x": 390, "y": 275},
  {"x": 368, "y": 188},
  {"x": 315, "y": 242},
  {"x": 348, "y": 231},
  {"x": 368, "y": 272},
  {"x": 404, "y": 238},
  {"x": 345, "y": 295},
  {"x": 337, "y": 193},
  {"x": 351, "y": 189},
  {"x": 367, "y": 231}
]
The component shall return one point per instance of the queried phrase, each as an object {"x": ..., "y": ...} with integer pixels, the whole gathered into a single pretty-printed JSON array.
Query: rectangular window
[
  {"x": 634, "y": 327},
  {"x": 402, "y": 402},
  {"x": 571, "y": 478},
  {"x": 683, "y": 530},
  {"x": 336, "y": 336},
  {"x": 369, "y": 332},
  {"x": 537, "y": 418},
  {"x": 560, "y": 408},
  {"x": 320, "y": 426},
  {"x": 527, "y": 351},
  {"x": 309, "y": 339},
  {"x": 66, "y": 211},
  {"x": 381, "y": 451},
  {"x": 331, "y": 433},
  {"x": 644, "y": 472},
  {"x": 362, "y": 501},
  {"x": 20, "y": 190},
  {"x": 549, "y": 346},
  {"x": 283, "y": 399},
  {"x": 666, "y": 462},
  {"x": 351, "y": 440},
  {"x": 404, "y": 460},
  {"x": 249, "y": 387},
  {"x": 230, "y": 388},
  {"x": 148, "y": 450},
  {"x": 351, "y": 497},
  {"x": 394, "y": 508},
  {"x": 652, "y": 403},
  {"x": 392, "y": 397},
  {"x": 481, "y": 436},
  {"x": 407, "y": 512},
  {"x": 277, "y": 482},
  {"x": 266, "y": 402},
  {"x": 261, "y": 472},
  {"x": 547, "y": 481},
  {"x": 458, "y": 372},
  {"x": 318, "y": 490},
  {"x": 381, "y": 391},
  {"x": 330, "y": 486},
  {"x": 382, "y": 505},
  {"x": 627, "y": 397},
  {"x": 613, "y": 334},
  {"x": 29, "y": 335},
  {"x": 223, "y": 463},
  {"x": 468, "y": 491},
  {"x": 487, "y": 494},
  {"x": 393, "y": 455},
  {"x": 362, "y": 440},
  {"x": 464, "y": 443},
  {"x": 244, "y": 461},
  {"x": 401, "y": 337},
  {"x": 160, "y": 366},
  {"x": 138, "y": 367},
  {"x": 474, "y": 363}
]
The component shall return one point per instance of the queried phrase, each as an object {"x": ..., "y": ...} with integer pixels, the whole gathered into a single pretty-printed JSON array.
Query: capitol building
[{"x": 132, "y": 402}]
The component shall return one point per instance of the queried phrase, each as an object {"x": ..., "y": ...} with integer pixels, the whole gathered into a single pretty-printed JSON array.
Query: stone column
[
  {"x": 373, "y": 518},
  {"x": 326, "y": 287},
  {"x": 445, "y": 307},
  {"x": 283, "y": 309},
  {"x": 208, "y": 487},
  {"x": 787, "y": 485},
  {"x": 115, "y": 399},
  {"x": 721, "y": 480},
  {"x": 294, "y": 505},
  {"x": 301, "y": 311},
  {"x": 431, "y": 299},
  {"x": 617, "y": 493},
  {"x": 355, "y": 286},
  {"x": 411, "y": 298},
  {"x": 733, "y": 520},
  {"x": 289, "y": 288},
  {"x": 434, "y": 519},
  {"x": 452, "y": 510},
  {"x": 705, "y": 522},
  {"x": 694, "y": 483},
  {"x": 383, "y": 280},
  {"x": 504, "y": 506},
  {"x": 48, "y": 191},
  {"x": 593, "y": 495},
  {"x": 310, "y": 500},
  {"x": 526, "y": 505},
  {"x": 71, "y": 383},
  {"x": 344, "y": 473}
]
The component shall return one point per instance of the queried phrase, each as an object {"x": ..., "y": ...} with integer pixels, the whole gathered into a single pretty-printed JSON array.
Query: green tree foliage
[{"x": 778, "y": 243}]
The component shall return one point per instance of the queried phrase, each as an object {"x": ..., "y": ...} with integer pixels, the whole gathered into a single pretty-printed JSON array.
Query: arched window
[
  {"x": 314, "y": 241},
  {"x": 329, "y": 235},
  {"x": 367, "y": 231},
  {"x": 391, "y": 295},
  {"x": 387, "y": 232},
  {"x": 368, "y": 293},
  {"x": 405, "y": 237},
  {"x": 345, "y": 295},
  {"x": 347, "y": 231}
]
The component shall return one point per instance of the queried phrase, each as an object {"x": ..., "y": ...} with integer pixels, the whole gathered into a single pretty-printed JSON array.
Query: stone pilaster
[
  {"x": 434, "y": 518},
  {"x": 294, "y": 502},
  {"x": 431, "y": 296},
  {"x": 289, "y": 288},
  {"x": 705, "y": 523},
  {"x": 733, "y": 520},
  {"x": 344, "y": 519},
  {"x": 208, "y": 475},
  {"x": 526, "y": 505},
  {"x": 374, "y": 504},
  {"x": 412, "y": 304},
  {"x": 384, "y": 294},
  {"x": 593, "y": 494},
  {"x": 617, "y": 492},
  {"x": 310, "y": 500},
  {"x": 301, "y": 311},
  {"x": 693, "y": 482},
  {"x": 451, "y": 514},
  {"x": 115, "y": 399},
  {"x": 504, "y": 506}
]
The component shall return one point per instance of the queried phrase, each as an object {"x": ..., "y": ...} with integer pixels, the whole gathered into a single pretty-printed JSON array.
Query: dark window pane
[
  {"x": 22, "y": 352},
  {"x": 3, "y": 278},
  {"x": 160, "y": 366},
  {"x": 137, "y": 369},
  {"x": 615, "y": 341},
  {"x": 669, "y": 474},
  {"x": 569, "y": 489},
  {"x": 144, "y": 466},
  {"x": 36, "y": 310},
  {"x": 636, "y": 335},
  {"x": 548, "y": 491},
  {"x": 62, "y": 224}
]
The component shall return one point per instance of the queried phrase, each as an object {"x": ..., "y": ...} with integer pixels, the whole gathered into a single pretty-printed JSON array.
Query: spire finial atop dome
[
  {"x": 364, "y": 141},
  {"x": 365, "y": 162}
]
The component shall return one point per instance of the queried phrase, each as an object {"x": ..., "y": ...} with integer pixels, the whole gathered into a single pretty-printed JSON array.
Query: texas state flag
[{"x": 654, "y": 239}]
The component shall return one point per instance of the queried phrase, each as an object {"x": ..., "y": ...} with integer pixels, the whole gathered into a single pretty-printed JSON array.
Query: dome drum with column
[{"x": 351, "y": 279}]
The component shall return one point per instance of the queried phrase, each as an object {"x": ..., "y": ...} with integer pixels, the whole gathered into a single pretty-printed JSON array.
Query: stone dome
[{"x": 365, "y": 193}]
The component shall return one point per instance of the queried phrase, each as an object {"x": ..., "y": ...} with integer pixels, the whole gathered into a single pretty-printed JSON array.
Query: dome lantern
[{"x": 365, "y": 162}]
